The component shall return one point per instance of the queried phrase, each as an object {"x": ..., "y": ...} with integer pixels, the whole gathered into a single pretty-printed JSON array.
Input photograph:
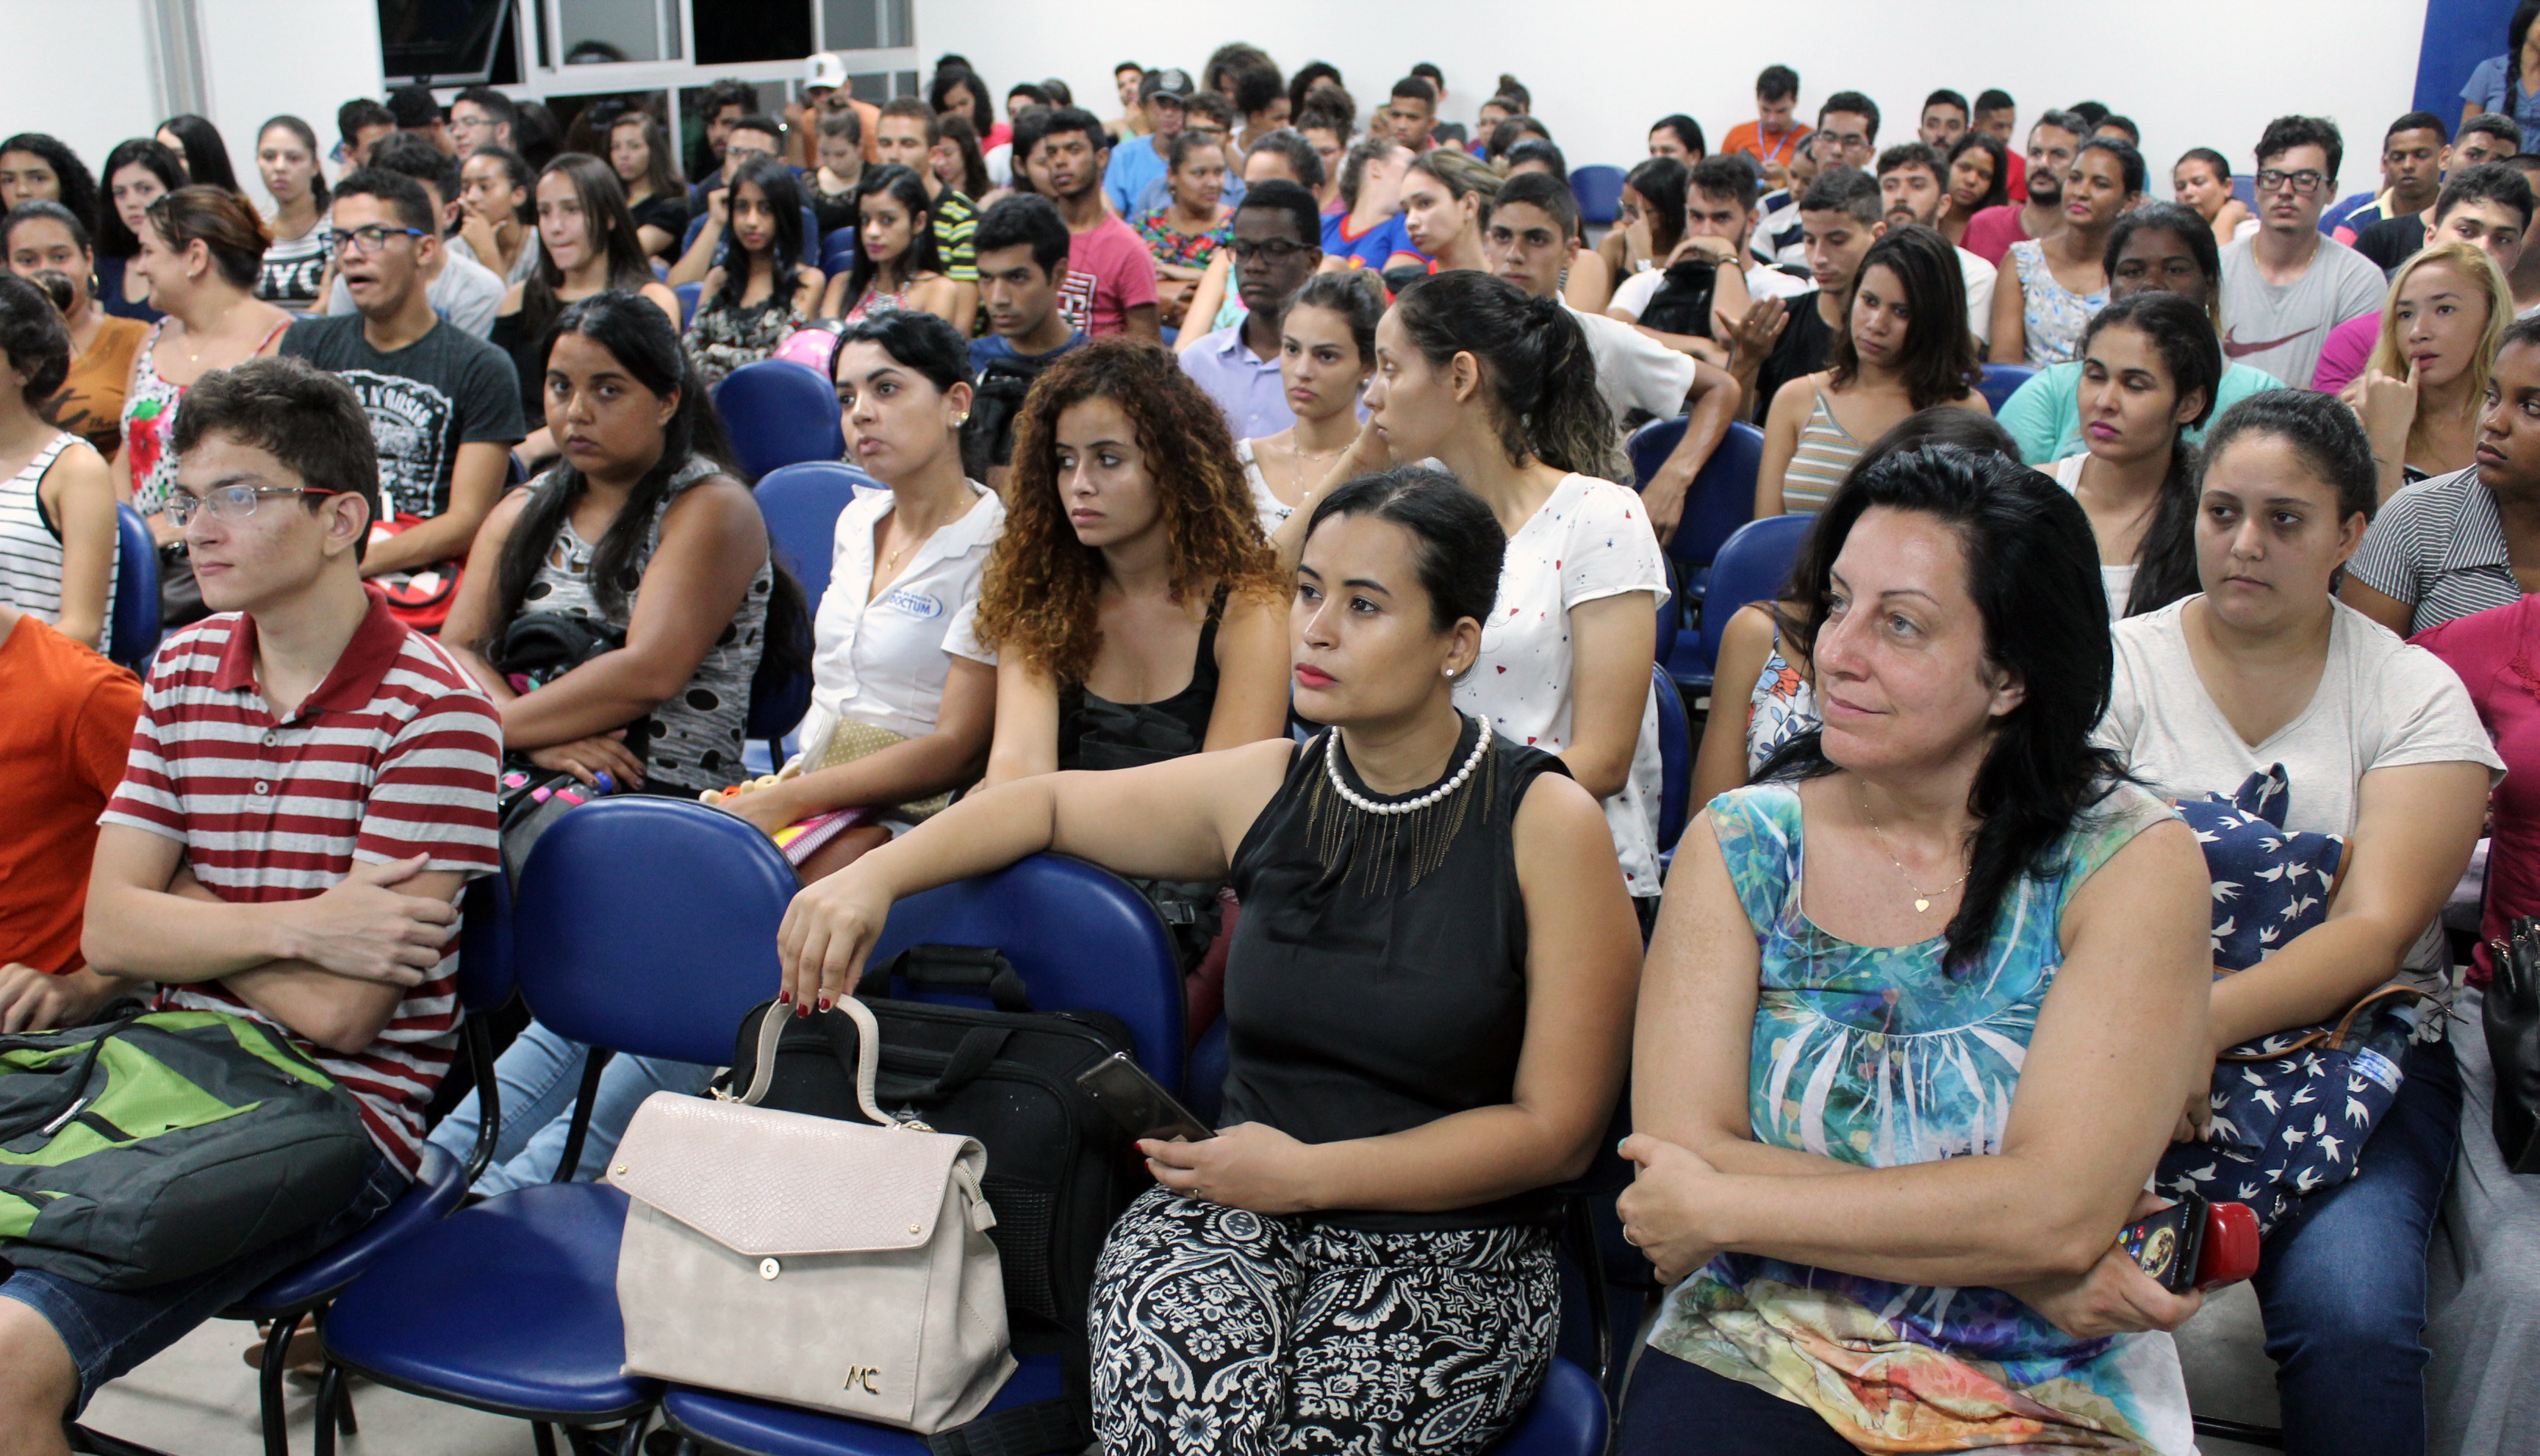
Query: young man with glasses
[
  {"x": 444, "y": 406},
  {"x": 2287, "y": 284},
  {"x": 310, "y": 787},
  {"x": 1277, "y": 245},
  {"x": 1847, "y": 131},
  {"x": 464, "y": 292},
  {"x": 481, "y": 117}
]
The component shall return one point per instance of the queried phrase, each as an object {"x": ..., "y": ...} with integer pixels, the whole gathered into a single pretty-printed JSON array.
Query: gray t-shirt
[
  {"x": 467, "y": 294},
  {"x": 445, "y": 389},
  {"x": 2280, "y": 329},
  {"x": 2380, "y": 704}
]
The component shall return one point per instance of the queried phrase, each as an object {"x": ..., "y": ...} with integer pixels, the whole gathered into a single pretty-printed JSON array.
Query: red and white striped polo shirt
[{"x": 392, "y": 756}]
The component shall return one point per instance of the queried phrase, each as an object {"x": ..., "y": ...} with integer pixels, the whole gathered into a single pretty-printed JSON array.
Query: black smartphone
[
  {"x": 2169, "y": 1244},
  {"x": 1139, "y": 1103}
]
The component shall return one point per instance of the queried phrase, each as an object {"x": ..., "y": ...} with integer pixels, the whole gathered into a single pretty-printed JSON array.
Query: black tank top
[
  {"x": 1354, "y": 1013},
  {"x": 1094, "y": 732}
]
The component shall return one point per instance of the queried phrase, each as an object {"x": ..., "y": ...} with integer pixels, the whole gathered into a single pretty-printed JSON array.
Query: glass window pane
[
  {"x": 734, "y": 32},
  {"x": 598, "y": 32}
]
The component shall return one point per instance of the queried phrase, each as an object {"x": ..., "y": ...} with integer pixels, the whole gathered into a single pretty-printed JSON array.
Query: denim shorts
[{"x": 109, "y": 1332}]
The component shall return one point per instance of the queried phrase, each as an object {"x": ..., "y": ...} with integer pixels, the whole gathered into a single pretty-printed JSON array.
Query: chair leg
[
  {"x": 334, "y": 1411},
  {"x": 544, "y": 1436},
  {"x": 630, "y": 1440},
  {"x": 268, "y": 1386}
]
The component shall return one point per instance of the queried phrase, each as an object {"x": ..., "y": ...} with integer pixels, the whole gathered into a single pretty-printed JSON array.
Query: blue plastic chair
[
  {"x": 1568, "y": 1418},
  {"x": 2001, "y": 381},
  {"x": 689, "y": 293},
  {"x": 1752, "y": 567},
  {"x": 1721, "y": 500},
  {"x": 801, "y": 504},
  {"x": 133, "y": 626},
  {"x": 486, "y": 974},
  {"x": 1600, "y": 191},
  {"x": 1675, "y": 757},
  {"x": 779, "y": 413},
  {"x": 643, "y": 926},
  {"x": 838, "y": 250}
]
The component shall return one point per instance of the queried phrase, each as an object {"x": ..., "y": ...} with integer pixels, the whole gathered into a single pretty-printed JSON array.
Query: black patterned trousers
[{"x": 1220, "y": 1331}]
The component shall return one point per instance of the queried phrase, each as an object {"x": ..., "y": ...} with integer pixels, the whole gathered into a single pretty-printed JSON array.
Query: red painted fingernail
[
  {"x": 803, "y": 1009},
  {"x": 824, "y": 1002},
  {"x": 785, "y": 998}
]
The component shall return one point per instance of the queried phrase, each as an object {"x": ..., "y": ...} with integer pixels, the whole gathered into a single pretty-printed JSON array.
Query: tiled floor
[{"x": 199, "y": 1399}]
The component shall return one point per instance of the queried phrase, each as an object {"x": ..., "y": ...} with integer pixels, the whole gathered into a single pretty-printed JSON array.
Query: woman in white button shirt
[{"x": 903, "y": 698}]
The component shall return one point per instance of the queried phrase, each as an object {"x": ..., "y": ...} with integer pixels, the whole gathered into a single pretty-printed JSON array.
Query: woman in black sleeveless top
[
  {"x": 1132, "y": 601},
  {"x": 1429, "y": 1002}
]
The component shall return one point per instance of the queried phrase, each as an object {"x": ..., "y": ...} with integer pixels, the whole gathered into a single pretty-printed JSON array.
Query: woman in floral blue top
[
  {"x": 1922, "y": 1008},
  {"x": 1193, "y": 224}
]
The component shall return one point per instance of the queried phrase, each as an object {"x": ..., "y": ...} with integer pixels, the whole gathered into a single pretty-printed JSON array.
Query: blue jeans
[
  {"x": 2342, "y": 1281},
  {"x": 109, "y": 1332},
  {"x": 537, "y": 1075}
]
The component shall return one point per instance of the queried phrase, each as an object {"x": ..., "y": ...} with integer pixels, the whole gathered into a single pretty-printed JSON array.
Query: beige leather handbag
[{"x": 799, "y": 1259}]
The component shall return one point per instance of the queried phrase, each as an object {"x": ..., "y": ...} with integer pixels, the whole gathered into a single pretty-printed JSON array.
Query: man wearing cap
[
  {"x": 1137, "y": 161},
  {"x": 825, "y": 91}
]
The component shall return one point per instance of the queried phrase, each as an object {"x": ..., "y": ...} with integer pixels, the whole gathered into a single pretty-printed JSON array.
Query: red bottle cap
[{"x": 2231, "y": 1251}]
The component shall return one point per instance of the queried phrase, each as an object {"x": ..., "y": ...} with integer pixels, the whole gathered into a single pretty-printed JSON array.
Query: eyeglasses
[
  {"x": 230, "y": 502},
  {"x": 367, "y": 240},
  {"x": 2305, "y": 182},
  {"x": 1276, "y": 250}
]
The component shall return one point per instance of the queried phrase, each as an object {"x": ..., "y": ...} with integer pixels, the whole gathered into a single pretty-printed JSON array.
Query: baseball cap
[
  {"x": 1171, "y": 81},
  {"x": 824, "y": 71}
]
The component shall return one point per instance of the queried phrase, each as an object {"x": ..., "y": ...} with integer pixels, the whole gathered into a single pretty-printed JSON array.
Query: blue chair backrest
[
  {"x": 2001, "y": 381},
  {"x": 516, "y": 471},
  {"x": 1651, "y": 445},
  {"x": 2244, "y": 186},
  {"x": 648, "y": 926},
  {"x": 1722, "y": 500},
  {"x": 1080, "y": 937},
  {"x": 688, "y": 293},
  {"x": 1670, "y": 610},
  {"x": 838, "y": 250},
  {"x": 1675, "y": 757},
  {"x": 801, "y": 504},
  {"x": 777, "y": 699},
  {"x": 133, "y": 631},
  {"x": 1600, "y": 191},
  {"x": 779, "y": 413},
  {"x": 1751, "y": 568},
  {"x": 487, "y": 967}
]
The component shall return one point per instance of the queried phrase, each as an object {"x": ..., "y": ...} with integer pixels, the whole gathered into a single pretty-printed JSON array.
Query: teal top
[
  {"x": 2045, "y": 414},
  {"x": 1877, "y": 1056}
]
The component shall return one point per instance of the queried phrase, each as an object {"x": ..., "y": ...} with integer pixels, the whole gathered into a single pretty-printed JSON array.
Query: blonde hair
[{"x": 2472, "y": 263}]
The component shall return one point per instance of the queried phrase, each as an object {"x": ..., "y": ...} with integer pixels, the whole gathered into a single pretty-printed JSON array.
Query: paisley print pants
[{"x": 1216, "y": 1330}]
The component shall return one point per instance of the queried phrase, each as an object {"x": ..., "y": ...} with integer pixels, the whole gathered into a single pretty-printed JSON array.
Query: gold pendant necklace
[{"x": 1923, "y": 898}]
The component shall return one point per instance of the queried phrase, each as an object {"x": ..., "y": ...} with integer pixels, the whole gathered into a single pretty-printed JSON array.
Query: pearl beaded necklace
[{"x": 1356, "y": 800}]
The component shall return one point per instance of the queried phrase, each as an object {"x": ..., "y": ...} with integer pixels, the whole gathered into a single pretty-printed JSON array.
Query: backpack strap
[{"x": 1039, "y": 1428}]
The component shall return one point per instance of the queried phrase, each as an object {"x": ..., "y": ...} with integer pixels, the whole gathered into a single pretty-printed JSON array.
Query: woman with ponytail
[
  {"x": 1501, "y": 388},
  {"x": 2149, "y": 366}
]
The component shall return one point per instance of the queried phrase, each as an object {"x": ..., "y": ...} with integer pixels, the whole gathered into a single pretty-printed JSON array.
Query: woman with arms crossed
[{"x": 1427, "y": 1010}]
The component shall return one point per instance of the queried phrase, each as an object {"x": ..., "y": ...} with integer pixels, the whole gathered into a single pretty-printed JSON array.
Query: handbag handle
[
  {"x": 2331, "y": 1037},
  {"x": 771, "y": 1028}
]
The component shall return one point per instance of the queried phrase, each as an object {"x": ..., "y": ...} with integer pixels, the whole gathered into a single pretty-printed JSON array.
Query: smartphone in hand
[
  {"x": 2194, "y": 1244},
  {"x": 1139, "y": 1103}
]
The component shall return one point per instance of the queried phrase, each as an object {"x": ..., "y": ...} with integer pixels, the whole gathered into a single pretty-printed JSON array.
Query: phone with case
[
  {"x": 1138, "y": 1103},
  {"x": 2194, "y": 1244}
]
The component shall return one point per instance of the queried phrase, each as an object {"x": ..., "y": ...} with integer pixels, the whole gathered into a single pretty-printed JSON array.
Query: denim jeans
[
  {"x": 537, "y": 1075},
  {"x": 2342, "y": 1281}
]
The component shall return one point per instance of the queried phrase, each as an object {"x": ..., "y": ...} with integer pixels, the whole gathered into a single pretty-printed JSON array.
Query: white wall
[
  {"x": 2191, "y": 72},
  {"x": 82, "y": 72}
]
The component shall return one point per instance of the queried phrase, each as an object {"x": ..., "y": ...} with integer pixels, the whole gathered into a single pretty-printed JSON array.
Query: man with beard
[
  {"x": 1909, "y": 190},
  {"x": 2051, "y": 145},
  {"x": 1276, "y": 247}
]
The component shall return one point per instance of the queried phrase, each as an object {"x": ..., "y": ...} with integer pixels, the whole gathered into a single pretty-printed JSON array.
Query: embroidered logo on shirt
[
  {"x": 915, "y": 604},
  {"x": 2234, "y": 349}
]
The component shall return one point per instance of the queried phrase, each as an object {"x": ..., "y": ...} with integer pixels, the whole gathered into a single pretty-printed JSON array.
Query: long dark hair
[
  {"x": 207, "y": 157},
  {"x": 1988, "y": 144},
  {"x": 2033, "y": 572},
  {"x": 958, "y": 130},
  {"x": 660, "y": 167},
  {"x": 308, "y": 138},
  {"x": 2165, "y": 562},
  {"x": 604, "y": 212},
  {"x": 79, "y": 191},
  {"x": 36, "y": 340},
  {"x": 1660, "y": 181},
  {"x": 647, "y": 346},
  {"x": 113, "y": 240},
  {"x": 905, "y": 188},
  {"x": 1939, "y": 360},
  {"x": 983, "y": 106},
  {"x": 775, "y": 183},
  {"x": 1535, "y": 362}
]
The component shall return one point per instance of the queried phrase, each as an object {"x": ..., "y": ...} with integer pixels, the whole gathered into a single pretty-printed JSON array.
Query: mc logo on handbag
[{"x": 862, "y": 1377}]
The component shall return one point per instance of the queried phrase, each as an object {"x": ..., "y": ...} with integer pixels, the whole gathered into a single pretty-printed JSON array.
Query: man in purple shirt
[{"x": 1277, "y": 244}]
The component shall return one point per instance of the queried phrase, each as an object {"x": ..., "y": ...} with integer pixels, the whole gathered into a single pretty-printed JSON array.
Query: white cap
[{"x": 826, "y": 69}]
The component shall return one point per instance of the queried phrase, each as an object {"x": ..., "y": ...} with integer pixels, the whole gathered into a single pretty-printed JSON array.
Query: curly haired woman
[{"x": 1132, "y": 601}]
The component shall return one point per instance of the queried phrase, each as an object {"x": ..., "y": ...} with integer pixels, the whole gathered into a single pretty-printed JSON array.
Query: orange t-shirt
[
  {"x": 1749, "y": 137},
  {"x": 62, "y": 742}
]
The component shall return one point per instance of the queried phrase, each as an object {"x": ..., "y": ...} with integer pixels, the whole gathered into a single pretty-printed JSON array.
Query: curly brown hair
[{"x": 1037, "y": 601}]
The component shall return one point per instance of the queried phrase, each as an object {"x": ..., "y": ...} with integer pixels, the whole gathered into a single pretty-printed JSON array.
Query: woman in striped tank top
[
  {"x": 1903, "y": 347},
  {"x": 57, "y": 500}
]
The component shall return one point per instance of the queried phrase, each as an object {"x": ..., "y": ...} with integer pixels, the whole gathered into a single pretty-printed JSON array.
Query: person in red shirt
[
  {"x": 309, "y": 784},
  {"x": 2051, "y": 143},
  {"x": 1111, "y": 283},
  {"x": 1770, "y": 137},
  {"x": 1998, "y": 114},
  {"x": 61, "y": 754}
]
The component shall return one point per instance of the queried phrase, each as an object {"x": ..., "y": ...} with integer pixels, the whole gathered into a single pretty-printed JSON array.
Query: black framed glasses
[
  {"x": 366, "y": 239},
  {"x": 229, "y": 502},
  {"x": 2305, "y": 181},
  {"x": 1276, "y": 250}
]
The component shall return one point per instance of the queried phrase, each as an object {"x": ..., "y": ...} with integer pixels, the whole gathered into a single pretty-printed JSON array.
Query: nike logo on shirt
[{"x": 2234, "y": 349}]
